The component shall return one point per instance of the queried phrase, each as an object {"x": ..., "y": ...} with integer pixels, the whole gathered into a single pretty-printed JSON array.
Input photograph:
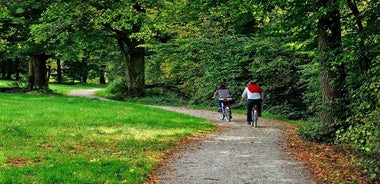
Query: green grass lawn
[{"x": 58, "y": 139}]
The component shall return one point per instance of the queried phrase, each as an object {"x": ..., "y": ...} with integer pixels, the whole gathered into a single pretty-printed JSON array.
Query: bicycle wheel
[
  {"x": 228, "y": 114},
  {"x": 221, "y": 114},
  {"x": 255, "y": 117}
]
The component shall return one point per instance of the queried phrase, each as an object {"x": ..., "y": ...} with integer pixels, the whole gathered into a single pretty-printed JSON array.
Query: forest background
[{"x": 316, "y": 60}]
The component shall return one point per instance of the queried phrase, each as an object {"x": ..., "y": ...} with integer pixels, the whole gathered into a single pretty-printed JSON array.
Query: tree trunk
[
  {"x": 37, "y": 72},
  {"x": 6, "y": 69},
  {"x": 48, "y": 72},
  {"x": 9, "y": 70},
  {"x": 133, "y": 55},
  {"x": 59, "y": 71},
  {"x": 137, "y": 71},
  {"x": 332, "y": 72},
  {"x": 83, "y": 73},
  {"x": 134, "y": 65},
  {"x": 17, "y": 68},
  {"x": 3, "y": 69},
  {"x": 102, "y": 78}
]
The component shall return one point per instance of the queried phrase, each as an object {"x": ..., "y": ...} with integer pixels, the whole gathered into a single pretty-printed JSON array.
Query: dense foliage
[{"x": 314, "y": 59}]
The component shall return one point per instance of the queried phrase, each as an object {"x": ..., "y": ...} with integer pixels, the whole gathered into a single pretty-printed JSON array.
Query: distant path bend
[{"x": 89, "y": 93}]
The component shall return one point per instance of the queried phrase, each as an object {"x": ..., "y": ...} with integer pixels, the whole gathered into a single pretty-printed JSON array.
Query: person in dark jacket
[{"x": 222, "y": 93}]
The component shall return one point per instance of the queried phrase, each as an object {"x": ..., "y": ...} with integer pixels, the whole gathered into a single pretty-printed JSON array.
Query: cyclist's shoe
[
  {"x": 248, "y": 123},
  {"x": 219, "y": 110}
]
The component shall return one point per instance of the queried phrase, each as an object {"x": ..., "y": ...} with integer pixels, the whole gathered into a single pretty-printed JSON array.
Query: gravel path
[
  {"x": 237, "y": 154},
  {"x": 89, "y": 93}
]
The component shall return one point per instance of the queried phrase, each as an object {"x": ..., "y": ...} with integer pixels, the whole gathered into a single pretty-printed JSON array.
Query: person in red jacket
[{"x": 253, "y": 93}]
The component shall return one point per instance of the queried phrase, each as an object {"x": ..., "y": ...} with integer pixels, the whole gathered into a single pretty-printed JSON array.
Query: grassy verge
[{"x": 60, "y": 139}]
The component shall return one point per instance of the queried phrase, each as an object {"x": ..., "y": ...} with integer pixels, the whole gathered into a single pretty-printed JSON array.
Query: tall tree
[
  {"x": 316, "y": 29},
  {"x": 127, "y": 22},
  {"x": 21, "y": 15},
  {"x": 67, "y": 31},
  {"x": 332, "y": 70}
]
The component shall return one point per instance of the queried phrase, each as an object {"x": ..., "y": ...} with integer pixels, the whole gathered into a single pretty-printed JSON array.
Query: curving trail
[{"x": 237, "y": 153}]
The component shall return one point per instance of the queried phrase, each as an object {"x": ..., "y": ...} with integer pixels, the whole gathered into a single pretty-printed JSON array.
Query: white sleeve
[{"x": 244, "y": 95}]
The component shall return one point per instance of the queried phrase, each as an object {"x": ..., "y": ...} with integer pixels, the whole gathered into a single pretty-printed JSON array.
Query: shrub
[
  {"x": 364, "y": 137},
  {"x": 288, "y": 111},
  {"x": 117, "y": 89},
  {"x": 319, "y": 132}
]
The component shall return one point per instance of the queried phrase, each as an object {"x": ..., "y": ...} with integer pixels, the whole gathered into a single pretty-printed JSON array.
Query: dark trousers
[
  {"x": 219, "y": 102},
  {"x": 250, "y": 104}
]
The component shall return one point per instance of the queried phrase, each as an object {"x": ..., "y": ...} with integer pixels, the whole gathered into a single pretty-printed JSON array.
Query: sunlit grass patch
[
  {"x": 64, "y": 89},
  {"x": 60, "y": 139}
]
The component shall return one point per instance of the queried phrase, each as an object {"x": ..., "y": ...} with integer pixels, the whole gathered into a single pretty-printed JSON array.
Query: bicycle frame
[
  {"x": 226, "y": 109},
  {"x": 255, "y": 116}
]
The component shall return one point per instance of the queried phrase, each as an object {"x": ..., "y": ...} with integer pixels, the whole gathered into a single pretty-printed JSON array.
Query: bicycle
[
  {"x": 225, "y": 112},
  {"x": 255, "y": 116}
]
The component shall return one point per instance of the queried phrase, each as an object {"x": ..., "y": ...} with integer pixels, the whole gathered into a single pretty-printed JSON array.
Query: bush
[
  {"x": 117, "y": 90},
  {"x": 287, "y": 111},
  {"x": 364, "y": 137},
  {"x": 319, "y": 132}
]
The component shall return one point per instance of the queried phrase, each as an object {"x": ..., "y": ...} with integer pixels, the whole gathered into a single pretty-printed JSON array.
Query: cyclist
[
  {"x": 222, "y": 92},
  {"x": 254, "y": 95}
]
